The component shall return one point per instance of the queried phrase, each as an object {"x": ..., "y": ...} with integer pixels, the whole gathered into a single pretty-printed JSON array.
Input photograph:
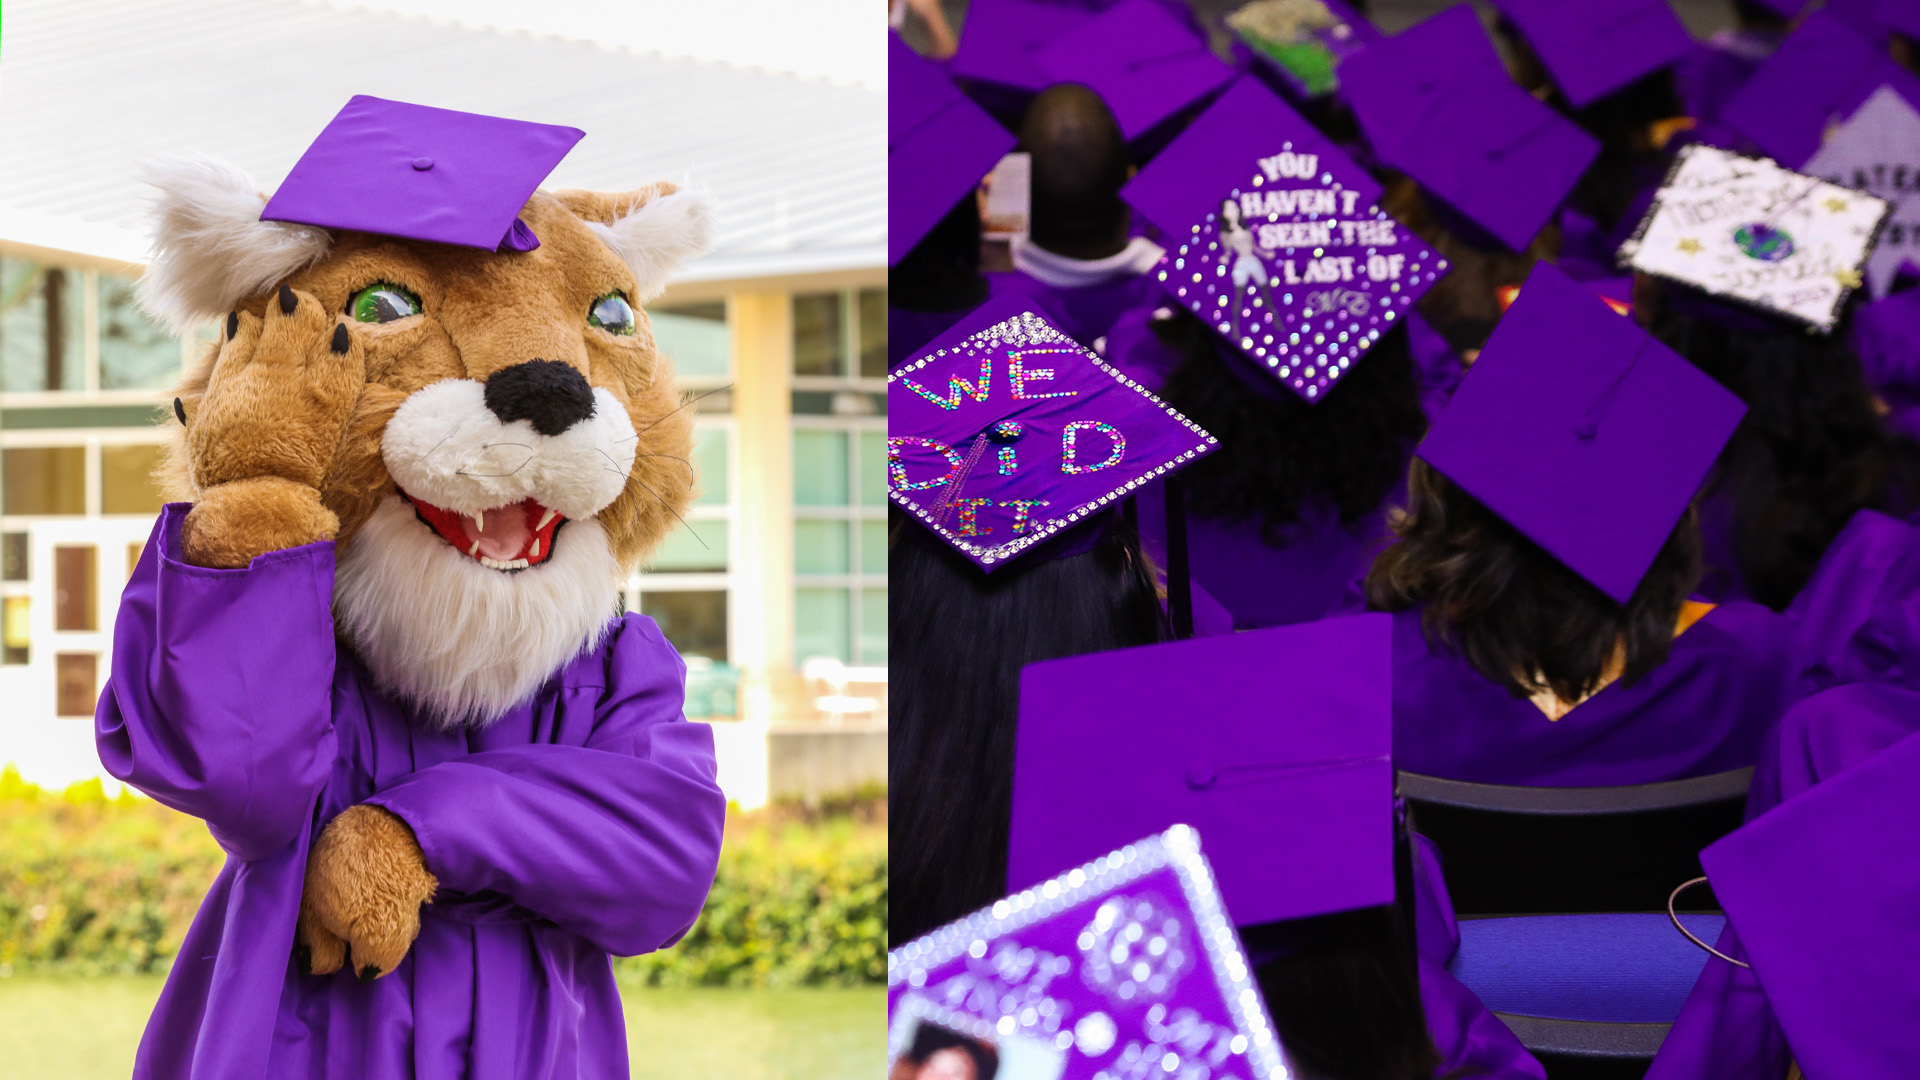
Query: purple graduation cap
[
  {"x": 1437, "y": 104},
  {"x": 998, "y": 41},
  {"x": 1281, "y": 759},
  {"x": 1127, "y": 959},
  {"x": 1878, "y": 151},
  {"x": 1825, "y": 896},
  {"x": 1280, "y": 246},
  {"x": 1595, "y": 47},
  {"x": 1141, "y": 60},
  {"x": 422, "y": 173},
  {"x": 1582, "y": 431},
  {"x": 939, "y": 146},
  {"x": 1004, "y": 432},
  {"x": 1824, "y": 68},
  {"x": 1899, "y": 16}
]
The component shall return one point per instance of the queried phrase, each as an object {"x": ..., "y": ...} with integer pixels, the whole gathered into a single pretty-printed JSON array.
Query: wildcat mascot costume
[{"x": 378, "y": 648}]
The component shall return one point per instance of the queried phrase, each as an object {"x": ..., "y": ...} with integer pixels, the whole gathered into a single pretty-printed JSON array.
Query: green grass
[{"x": 83, "y": 1028}]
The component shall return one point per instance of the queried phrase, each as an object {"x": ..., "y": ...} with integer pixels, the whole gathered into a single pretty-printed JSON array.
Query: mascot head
[{"x": 519, "y": 443}]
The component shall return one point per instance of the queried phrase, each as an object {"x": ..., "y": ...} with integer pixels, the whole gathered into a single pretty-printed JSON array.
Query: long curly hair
[
  {"x": 1516, "y": 613},
  {"x": 1280, "y": 453}
]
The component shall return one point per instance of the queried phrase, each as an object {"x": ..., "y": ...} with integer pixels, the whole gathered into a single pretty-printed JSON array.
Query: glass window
[
  {"x": 873, "y": 626},
  {"x": 821, "y": 624},
  {"x": 710, "y": 461},
  {"x": 13, "y": 556},
  {"x": 76, "y": 678},
  {"x": 695, "y": 337},
  {"x": 42, "y": 327},
  {"x": 14, "y": 633},
  {"x": 126, "y": 479},
  {"x": 75, "y": 572},
  {"x": 873, "y": 468},
  {"x": 873, "y": 547},
  {"x": 697, "y": 546},
  {"x": 819, "y": 468},
  {"x": 820, "y": 547},
  {"x": 819, "y": 342},
  {"x": 873, "y": 333},
  {"x": 44, "y": 480},
  {"x": 135, "y": 354},
  {"x": 694, "y": 621}
]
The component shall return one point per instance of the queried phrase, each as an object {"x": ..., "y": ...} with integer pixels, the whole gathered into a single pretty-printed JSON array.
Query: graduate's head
[
  {"x": 516, "y": 441},
  {"x": 1079, "y": 161}
]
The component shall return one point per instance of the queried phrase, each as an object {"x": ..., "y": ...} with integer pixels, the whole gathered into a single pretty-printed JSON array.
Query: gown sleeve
[
  {"x": 218, "y": 700},
  {"x": 1471, "y": 1040},
  {"x": 616, "y": 840}
]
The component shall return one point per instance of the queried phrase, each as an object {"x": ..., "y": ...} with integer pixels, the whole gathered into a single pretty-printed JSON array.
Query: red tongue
[{"x": 506, "y": 534}]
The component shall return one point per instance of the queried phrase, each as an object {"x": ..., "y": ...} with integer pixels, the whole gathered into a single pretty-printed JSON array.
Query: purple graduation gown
[
  {"x": 1087, "y": 311},
  {"x": 1705, "y": 710},
  {"x": 584, "y": 822}
]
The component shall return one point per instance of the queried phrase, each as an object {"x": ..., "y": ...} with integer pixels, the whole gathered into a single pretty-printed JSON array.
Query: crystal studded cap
[
  {"x": 998, "y": 41},
  {"x": 1274, "y": 744},
  {"x": 1106, "y": 957},
  {"x": 1823, "y": 69},
  {"x": 1877, "y": 151},
  {"x": 1745, "y": 229},
  {"x": 1277, "y": 242},
  {"x": 1822, "y": 891},
  {"x": 422, "y": 173},
  {"x": 1141, "y": 60},
  {"x": 1004, "y": 432},
  {"x": 939, "y": 146},
  {"x": 1582, "y": 431},
  {"x": 1437, "y": 104},
  {"x": 1595, "y": 47}
]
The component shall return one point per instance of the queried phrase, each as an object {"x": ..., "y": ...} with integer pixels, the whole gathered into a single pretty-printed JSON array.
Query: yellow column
[{"x": 762, "y": 328}]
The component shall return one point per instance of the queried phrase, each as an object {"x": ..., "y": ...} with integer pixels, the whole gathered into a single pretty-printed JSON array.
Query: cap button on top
[
  {"x": 1201, "y": 777},
  {"x": 423, "y": 163}
]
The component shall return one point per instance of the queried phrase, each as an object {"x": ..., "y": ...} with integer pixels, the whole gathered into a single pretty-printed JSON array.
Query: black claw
[
  {"x": 233, "y": 324},
  {"x": 368, "y": 974},
  {"x": 180, "y": 411},
  {"x": 340, "y": 340},
  {"x": 288, "y": 301},
  {"x": 303, "y": 957}
]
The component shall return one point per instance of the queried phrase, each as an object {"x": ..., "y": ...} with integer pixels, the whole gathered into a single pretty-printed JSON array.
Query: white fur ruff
[
  {"x": 210, "y": 248},
  {"x": 445, "y": 447},
  {"x": 656, "y": 238},
  {"x": 462, "y": 642}
]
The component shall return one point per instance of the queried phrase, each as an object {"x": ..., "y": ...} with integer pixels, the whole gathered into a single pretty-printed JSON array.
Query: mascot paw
[{"x": 366, "y": 880}]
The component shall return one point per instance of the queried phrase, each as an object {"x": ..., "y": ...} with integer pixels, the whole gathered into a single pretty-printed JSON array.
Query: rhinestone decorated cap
[
  {"x": 1132, "y": 949},
  {"x": 1595, "y": 47},
  {"x": 1275, "y": 744},
  {"x": 1005, "y": 432},
  {"x": 422, "y": 173},
  {"x": 1582, "y": 431},
  {"x": 1142, "y": 61},
  {"x": 939, "y": 146},
  {"x": 1280, "y": 246}
]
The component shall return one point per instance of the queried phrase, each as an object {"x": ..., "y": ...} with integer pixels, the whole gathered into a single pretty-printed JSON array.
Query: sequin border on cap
[
  {"x": 1029, "y": 329},
  {"x": 1177, "y": 849}
]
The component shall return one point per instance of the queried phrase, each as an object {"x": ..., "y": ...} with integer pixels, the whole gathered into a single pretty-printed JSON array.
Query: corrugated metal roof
[{"x": 88, "y": 86}]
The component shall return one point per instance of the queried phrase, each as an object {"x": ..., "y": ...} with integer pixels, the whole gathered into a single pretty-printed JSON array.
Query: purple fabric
[
  {"x": 1886, "y": 335},
  {"x": 1824, "y": 68},
  {"x": 582, "y": 823},
  {"x": 1440, "y": 367},
  {"x": 1841, "y": 595},
  {"x": 1705, "y": 710},
  {"x": 939, "y": 147},
  {"x": 1626, "y": 967},
  {"x": 1598, "y": 46},
  {"x": 1144, "y": 62},
  {"x": 1436, "y": 928},
  {"x": 422, "y": 173},
  {"x": 998, "y": 41},
  {"x": 1714, "y": 70},
  {"x": 1471, "y": 1040},
  {"x": 1086, "y": 313},
  {"x": 909, "y": 331}
]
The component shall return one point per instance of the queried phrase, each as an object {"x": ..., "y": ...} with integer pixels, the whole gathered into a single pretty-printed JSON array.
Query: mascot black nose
[{"x": 548, "y": 394}]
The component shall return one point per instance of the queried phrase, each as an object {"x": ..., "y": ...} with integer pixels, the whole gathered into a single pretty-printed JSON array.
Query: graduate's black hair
[
  {"x": 1629, "y": 161},
  {"x": 1812, "y": 450},
  {"x": 1464, "y": 305},
  {"x": 930, "y": 1039},
  {"x": 1079, "y": 162},
  {"x": 1516, "y": 613},
  {"x": 1278, "y": 455},
  {"x": 942, "y": 271},
  {"x": 957, "y": 641}
]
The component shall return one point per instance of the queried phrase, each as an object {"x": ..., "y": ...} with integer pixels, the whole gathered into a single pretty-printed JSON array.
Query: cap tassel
[
  {"x": 519, "y": 238},
  {"x": 960, "y": 475},
  {"x": 1588, "y": 426}
]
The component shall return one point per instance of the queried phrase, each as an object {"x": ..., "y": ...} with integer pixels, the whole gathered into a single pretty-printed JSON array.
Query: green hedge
[{"x": 91, "y": 885}]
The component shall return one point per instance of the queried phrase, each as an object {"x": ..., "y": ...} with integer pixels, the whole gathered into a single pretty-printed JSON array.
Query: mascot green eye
[
  {"x": 611, "y": 313},
  {"x": 382, "y": 302}
]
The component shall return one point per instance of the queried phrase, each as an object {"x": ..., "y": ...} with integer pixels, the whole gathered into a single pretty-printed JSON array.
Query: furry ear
[
  {"x": 653, "y": 229},
  {"x": 210, "y": 248}
]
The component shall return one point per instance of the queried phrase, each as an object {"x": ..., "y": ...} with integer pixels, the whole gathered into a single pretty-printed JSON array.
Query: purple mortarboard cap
[
  {"x": 1142, "y": 62},
  {"x": 1886, "y": 335},
  {"x": 1004, "y": 432},
  {"x": 1582, "y": 431},
  {"x": 939, "y": 146},
  {"x": 1823, "y": 891},
  {"x": 1878, "y": 151},
  {"x": 1595, "y": 47},
  {"x": 422, "y": 173},
  {"x": 1279, "y": 246},
  {"x": 1305, "y": 45},
  {"x": 998, "y": 41},
  {"x": 1070, "y": 978},
  {"x": 1274, "y": 744},
  {"x": 1824, "y": 68},
  {"x": 1899, "y": 16},
  {"x": 1437, "y": 104}
]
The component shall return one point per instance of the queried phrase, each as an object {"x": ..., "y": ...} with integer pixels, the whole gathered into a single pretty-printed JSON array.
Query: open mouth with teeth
[{"x": 511, "y": 537}]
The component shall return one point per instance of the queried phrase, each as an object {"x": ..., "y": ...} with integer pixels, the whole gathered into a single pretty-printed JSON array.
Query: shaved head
[{"x": 1079, "y": 165}]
